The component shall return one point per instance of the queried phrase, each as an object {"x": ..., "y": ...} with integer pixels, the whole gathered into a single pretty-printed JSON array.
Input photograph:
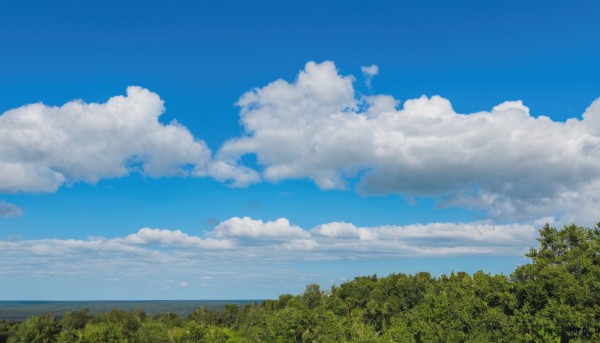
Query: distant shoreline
[{"x": 21, "y": 309}]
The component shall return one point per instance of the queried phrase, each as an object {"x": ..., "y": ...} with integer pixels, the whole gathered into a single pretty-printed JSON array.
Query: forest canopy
[{"x": 554, "y": 298}]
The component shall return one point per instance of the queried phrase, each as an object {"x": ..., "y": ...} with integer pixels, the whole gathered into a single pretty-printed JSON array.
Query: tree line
[{"x": 554, "y": 298}]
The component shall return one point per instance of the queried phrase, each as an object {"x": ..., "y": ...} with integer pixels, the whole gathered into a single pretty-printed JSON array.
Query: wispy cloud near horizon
[
  {"x": 252, "y": 238},
  {"x": 248, "y": 248}
]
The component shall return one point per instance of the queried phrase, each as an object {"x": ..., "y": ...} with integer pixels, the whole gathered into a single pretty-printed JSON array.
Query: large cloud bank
[
  {"x": 42, "y": 147},
  {"x": 504, "y": 161}
]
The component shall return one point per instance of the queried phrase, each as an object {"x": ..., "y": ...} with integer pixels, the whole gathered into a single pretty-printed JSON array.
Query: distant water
[{"x": 19, "y": 310}]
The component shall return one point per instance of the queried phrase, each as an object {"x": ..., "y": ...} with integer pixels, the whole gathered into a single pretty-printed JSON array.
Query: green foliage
[
  {"x": 37, "y": 329},
  {"x": 202, "y": 315},
  {"x": 312, "y": 296},
  {"x": 555, "y": 298},
  {"x": 559, "y": 293},
  {"x": 5, "y": 331},
  {"x": 102, "y": 332},
  {"x": 152, "y": 332},
  {"x": 74, "y": 320}
]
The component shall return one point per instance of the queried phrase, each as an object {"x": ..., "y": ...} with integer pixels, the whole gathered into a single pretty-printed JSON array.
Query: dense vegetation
[{"x": 555, "y": 298}]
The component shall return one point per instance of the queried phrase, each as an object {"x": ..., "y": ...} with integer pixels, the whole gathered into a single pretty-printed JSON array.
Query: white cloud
[
  {"x": 9, "y": 210},
  {"x": 343, "y": 230},
  {"x": 42, "y": 147},
  {"x": 138, "y": 253},
  {"x": 231, "y": 173},
  {"x": 504, "y": 161},
  {"x": 248, "y": 250},
  {"x": 174, "y": 238},
  {"x": 247, "y": 239},
  {"x": 369, "y": 72},
  {"x": 423, "y": 239},
  {"x": 248, "y": 228}
]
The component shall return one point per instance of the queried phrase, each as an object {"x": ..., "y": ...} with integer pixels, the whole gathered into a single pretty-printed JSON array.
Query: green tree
[
  {"x": 74, "y": 320},
  {"x": 103, "y": 332},
  {"x": 43, "y": 329},
  {"x": 229, "y": 316},
  {"x": 355, "y": 293},
  {"x": 312, "y": 296},
  {"x": 153, "y": 332},
  {"x": 204, "y": 316},
  {"x": 6, "y": 331},
  {"x": 559, "y": 292}
]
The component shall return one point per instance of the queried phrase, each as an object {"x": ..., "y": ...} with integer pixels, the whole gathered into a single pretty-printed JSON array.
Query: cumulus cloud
[
  {"x": 9, "y": 210},
  {"x": 343, "y": 230},
  {"x": 42, "y": 147},
  {"x": 173, "y": 238},
  {"x": 248, "y": 228},
  {"x": 369, "y": 72},
  {"x": 504, "y": 161},
  {"x": 231, "y": 173}
]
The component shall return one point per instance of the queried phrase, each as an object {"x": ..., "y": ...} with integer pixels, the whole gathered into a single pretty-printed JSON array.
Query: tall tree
[{"x": 559, "y": 292}]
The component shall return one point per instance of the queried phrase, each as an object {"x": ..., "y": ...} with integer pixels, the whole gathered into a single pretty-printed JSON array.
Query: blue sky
[{"x": 230, "y": 150}]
